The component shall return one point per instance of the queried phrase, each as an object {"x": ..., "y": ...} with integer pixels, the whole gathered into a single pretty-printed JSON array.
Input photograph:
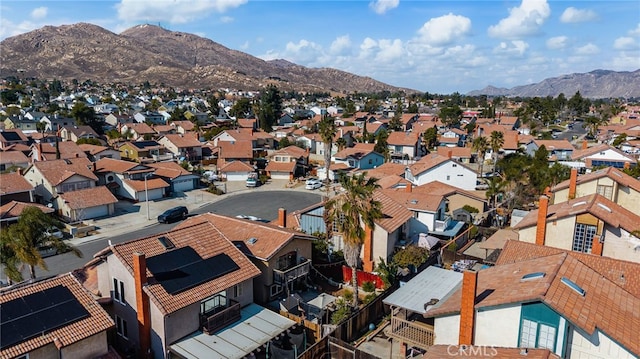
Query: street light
[{"x": 146, "y": 194}]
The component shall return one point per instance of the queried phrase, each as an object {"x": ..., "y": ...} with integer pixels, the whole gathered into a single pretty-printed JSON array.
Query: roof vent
[
  {"x": 579, "y": 203},
  {"x": 604, "y": 207},
  {"x": 414, "y": 201},
  {"x": 252, "y": 240},
  {"x": 531, "y": 276},
  {"x": 166, "y": 242},
  {"x": 571, "y": 284}
]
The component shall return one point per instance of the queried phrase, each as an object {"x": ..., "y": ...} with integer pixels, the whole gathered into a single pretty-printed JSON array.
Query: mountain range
[
  {"x": 151, "y": 53},
  {"x": 594, "y": 84}
]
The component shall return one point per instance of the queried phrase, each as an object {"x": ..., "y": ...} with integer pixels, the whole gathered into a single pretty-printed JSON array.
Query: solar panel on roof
[
  {"x": 38, "y": 313},
  {"x": 11, "y": 136},
  {"x": 183, "y": 268}
]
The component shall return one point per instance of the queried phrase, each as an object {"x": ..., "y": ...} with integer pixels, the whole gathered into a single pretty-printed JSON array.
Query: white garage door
[
  {"x": 280, "y": 175},
  {"x": 237, "y": 176},
  {"x": 93, "y": 212},
  {"x": 153, "y": 194},
  {"x": 182, "y": 185}
]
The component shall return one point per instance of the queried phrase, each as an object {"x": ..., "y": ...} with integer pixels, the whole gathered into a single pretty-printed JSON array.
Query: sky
[{"x": 430, "y": 46}]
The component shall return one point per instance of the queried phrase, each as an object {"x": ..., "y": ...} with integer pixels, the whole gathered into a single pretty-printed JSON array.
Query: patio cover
[
  {"x": 427, "y": 241},
  {"x": 431, "y": 283},
  {"x": 256, "y": 327}
]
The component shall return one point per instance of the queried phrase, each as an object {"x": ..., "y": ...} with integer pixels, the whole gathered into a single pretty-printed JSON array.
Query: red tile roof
[
  {"x": 169, "y": 169},
  {"x": 106, "y": 164},
  {"x": 89, "y": 197},
  {"x": 152, "y": 183},
  {"x": 92, "y": 149},
  {"x": 273, "y": 166},
  {"x": 182, "y": 141},
  {"x": 236, "y": 166},
  {"x": 403, "y": 138},
  {"x": 13, "y": 183},
  {"x": 456, "y": 152},
  {"x": 208, "y": 242},
  {"x": 242, "y": 149},
  {"x": 581, "y": 154},
  {"x": 294, "y": 151},
  {"x": 97, "y": 321},
  {"x": 394, "y": 213},
  {"x": 58, "y": 171},
  {"x": 428, "y": 162},
  {"x": 610, "y": 172},
  {"x": 420, "y": 201},
  {"x": 68, "y": 149},
  {"x": 13, "y": 157},
  {"x": 14, "y": 209}
]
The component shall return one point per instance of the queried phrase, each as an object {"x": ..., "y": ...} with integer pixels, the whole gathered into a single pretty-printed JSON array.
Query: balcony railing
[
  {"x": 285, "y": 276},
  {"x": 441, "y": 226},
  {"x": 417, "y": 334},
  {"x": 222, "y": 317}
]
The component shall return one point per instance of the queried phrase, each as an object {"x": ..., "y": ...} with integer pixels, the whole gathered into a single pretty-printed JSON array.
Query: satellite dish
[{"x": 50, "y": 205}]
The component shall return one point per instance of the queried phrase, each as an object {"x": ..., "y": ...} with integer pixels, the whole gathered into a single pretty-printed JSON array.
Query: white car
[
  {"x": 313, "y": 183},
  {"x": 54, "y": 232}
]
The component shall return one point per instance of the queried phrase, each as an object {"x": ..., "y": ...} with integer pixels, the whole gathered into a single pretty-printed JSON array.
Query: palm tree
[
  {"x": 341, "y": 143},
  {"x": 496, "y": 141},
  {"x": 353, "y": 211},
  {"x": 327, "y": 130},
  {"x": 481, "y": 146},
  {"x": 23, "y": 240},
  {"x": 496, "y": 186}
]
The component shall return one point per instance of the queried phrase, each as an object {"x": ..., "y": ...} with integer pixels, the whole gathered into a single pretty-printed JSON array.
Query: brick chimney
[
  {"x": 573, "y": 180},
  {"x": 449, "y": 154},
  {"x": 409, "y": 187},
  {"x": 367, "y": 262},
  {"x": 142, "y": 303},
  {"x": 585, "y": 145},
  {"x": 596, "y": 246},
  {"x": 541, "y": 228},
  {"x": 282, "y": 217},
  {"x": 467, "y": 310}
]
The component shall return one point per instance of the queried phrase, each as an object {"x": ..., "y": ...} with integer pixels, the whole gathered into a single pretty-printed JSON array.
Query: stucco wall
[
  {"x": 451, "y": 173},
  {"x": 92, "y": 347},
  {"x": 498, "y": 327},
  {"x": 596, "y": 346},
  {"x": 447, "y": 329}
]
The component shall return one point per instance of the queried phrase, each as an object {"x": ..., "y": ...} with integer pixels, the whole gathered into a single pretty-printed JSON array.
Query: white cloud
[
  {"x": 557, "y": 43},
  {"x": 382, "y": 6},
  {"x": 625, "y": 43},
  {"x": 444, "y": 29},
  {"x": 226, "y": 19},
  {"x": 523, "y": 20},
  {"x": 573, "y": 15},
  {"x": 39, "y": 13},
  {"x": 173, "y": 11},
  {"x": 9, "y": 28},
  {"x": 512, "y": 48},
  {"x": 341, "y": 45},
  {"x": 635, "y": 32},
  {"x": 390, "y": 50},
  {"x": 588, "y": 49}
]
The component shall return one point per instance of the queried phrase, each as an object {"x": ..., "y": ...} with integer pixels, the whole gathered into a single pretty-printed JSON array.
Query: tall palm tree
[
  {"x": 341, "y": 143},
  {"x": 495, "y": 142},
  {"x": 353, "y": 211},
  {"x": 496, "y": 186},
  {"x": 24, "y": 238},
  {"x": 327, "y": 130},
  {"x": 481, "y": 146}
]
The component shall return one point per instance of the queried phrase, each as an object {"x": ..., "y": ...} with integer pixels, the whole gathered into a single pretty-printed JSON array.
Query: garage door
[
  {"x": 94, "y": 212},
  {"x": 153, "y": 194},
  {"x": 236, "y": 176},
  {"x": 183, "y": 185},
  {"x": 280, "y": 175}
]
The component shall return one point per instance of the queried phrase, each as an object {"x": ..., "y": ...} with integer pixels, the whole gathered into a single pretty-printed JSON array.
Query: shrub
[
  {"x": 369, "y": 298},
  {"x": 368, "y": 287}
]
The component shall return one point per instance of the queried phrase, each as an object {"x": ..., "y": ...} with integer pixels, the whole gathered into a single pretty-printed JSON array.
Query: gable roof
[
  {"x": 394, "y": 214},
  {"x": 294, "y": 151},
  {"x": 81, "y": 130},
  {"x": 386, "y": 169},
  {"x": 14, "y": 209},
  {"x": 89, "y": 197},
  {"x": 428, "y": 162},
  {"x": 68, "y": 149},
  {"x": 456, "y": 152},
  {"x": 590, "y": 151},
  {"x": 418, "y": 201},
  {"x": 403, "y": 138},
  {"x": 443, "y": 189},
  {"x": 169, "y": 169},
  {"x": 93, "y": 149},
  {"x": 97, "y": 321},
  {"x": 13, "y": 183},
  {"x": 140, "y": 128},
  {"x": 11, "y": 135},
  {"x": 610, "y": 172},
  {"x": 269, "y": 237},
  {"x": 207, "y": 241},
  {"x": 235, "y": 149},
  {"x": 58, "y": 171},
  {"x": 179, "y": 140},
  {"x": 236, "y": 166},
  {"x": 118, "y": 166},
  {"x": 13, "y": 157},
  {"x": 595, "y": 204},
  {"x": 554, "y": 145},
  {"x": 274, "y": 166},
  {"x": 356, "y": 152}
]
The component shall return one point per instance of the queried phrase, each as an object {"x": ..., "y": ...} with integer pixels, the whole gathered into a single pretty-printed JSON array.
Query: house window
[
  {"x": 448, "y": 177},
  {"x": 606, "y": 191},
  {"x": 454, "y": 165},
  {"x": 23, "y": 356},
  {"x": 583, "y": 237},
  {"x": 275, "y": 289},
  {"x": 118, "y": 291},
  {"x": 121, "y": 327},
  {"x": 370, "y": 161},
  {"x": 528, "y": 333},
  {"x": 546, "y": 337},
  {"x": 237, "y": 290},
  {"x": 211, "y": 304}
]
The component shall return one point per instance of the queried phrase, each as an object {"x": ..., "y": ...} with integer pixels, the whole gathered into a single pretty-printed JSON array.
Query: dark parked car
[{"x": 173, "y": 214}]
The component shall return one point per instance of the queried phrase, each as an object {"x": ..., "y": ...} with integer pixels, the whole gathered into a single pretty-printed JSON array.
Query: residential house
[
  {"x": 130, "y": 180},
  {"x": 55, "y": 122},
  {"x": 609, "y": 182},
  {"x": 359, "y": 157},
  {"x": 282, "y": 255},
  {"x": 11, "y": 137},
  {"x": 117, "y": 119},
  {"x": 285, "y": 120},
  {"x": 559, "y": 150},
  {"x": 456, "y": 199},
  {"x": 182, "y": 127},
  {"x": 49, "y": 151},
  {"x": 74, "y": 133},
  {"x": 11, "y": 211},
  {"x": 208, "y": 306},
  {"x": 14, "y": 187},
  {"x": 460, "y": 154},
  {"x": 53, "y": 318},
  {"x": 538, "y": 298},
  {"x": 12, "y": 159},
  {"x": 137, "y": 131},
  {"x": 185, "y": 147},
  {"x": 178, "y": 178},
  {"x": 152, "y": 117},
  {"x": 288, "y": 163},
  {"x": 312, "y": 141},
  {"x": 236, "y": 171},
  {"x": 404, "y": 145},
  {"x": 34, "y": 115},
  {"x": 591, "y": 224},
  {"x": 603, "y": 155},
  {"x": 408, "y": 119},
  {"x": 144, "y": 151},
  {"x": 95, "y": 152},
  {"x": 250, "y": 123},
  {"x": 162, "y": 130},
  {"x": 87, "y": 203},
  {"x": 229, "y": 151},
  {"x": 509, "y": 122},
  {"x": 20, "y": 123},
  {"x": 196, "y": 116},
  {"x": 435, "y": 167}
]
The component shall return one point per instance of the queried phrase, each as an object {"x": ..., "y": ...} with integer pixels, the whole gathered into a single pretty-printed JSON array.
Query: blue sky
[{"x": 435, "y": 46}]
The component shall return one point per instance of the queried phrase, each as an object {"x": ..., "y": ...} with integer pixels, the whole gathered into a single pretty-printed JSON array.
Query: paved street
[{"x": 131, "y": 220}]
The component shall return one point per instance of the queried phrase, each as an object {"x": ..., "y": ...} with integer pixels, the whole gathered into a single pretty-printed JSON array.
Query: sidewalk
[{"x": 132, "y": 216}]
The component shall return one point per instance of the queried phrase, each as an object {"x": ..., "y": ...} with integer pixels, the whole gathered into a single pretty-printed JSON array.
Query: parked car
[
  {"x": 313, "y": 184},
  {"x": 252, "y": 180},
  {"x": 173, "y": 214},
  {"x": 54, "y": 232}
]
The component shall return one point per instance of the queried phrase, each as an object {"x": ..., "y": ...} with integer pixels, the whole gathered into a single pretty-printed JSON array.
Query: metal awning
[{"x": 255, "y": 328}]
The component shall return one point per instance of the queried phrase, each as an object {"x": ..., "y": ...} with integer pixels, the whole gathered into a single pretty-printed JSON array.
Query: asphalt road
[{"x": 263, "y": 204}]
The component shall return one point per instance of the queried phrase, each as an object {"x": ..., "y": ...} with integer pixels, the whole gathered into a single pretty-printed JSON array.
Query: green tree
[
  {"x": 371, "y": 106},
  {"x": 177, "y": 114},
  {"x": 413, "y": 108},
  {"x": 387, "y": 272},
  {"x": 269, "y": 108},
  {"x": 578, "y": 105},
  {"x": 24, "y": 238},
  {"x": 481, "y": 146},
  {"x": 496, "y": 187},
  {"x": 620, "y": 139},
  {"x": 86, "y": 116},
  {"x": 382, "y": 146},
  {"x": 450, "y": 115},
  {"x": 354, "y": 210},
  {"x": 327, "y": 130},
  {"x": 411, "y": 255},
  {"x": 430, "y": 137},
  {"x": 91, "y": 141},
  {"x": 341, "y": 143},
  {"x": 592, "y": 123},
  {"x": 495, "y": 142},
  {"x": 395, "y": 123},
  {"x": 241, "y": 109}
]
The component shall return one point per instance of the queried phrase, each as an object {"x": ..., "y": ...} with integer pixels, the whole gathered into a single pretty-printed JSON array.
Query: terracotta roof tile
[
  {"x": 89, "y": 197},
  {"x": 394, "y": 214},
  {"x": 428, "y": 162},
  {"x": 610, "y": 172},
  {"x": 58, "y": 171},
  {"x": 208, "y": 242},
  {"x": 140, "y": 128},
  {"x": 13, "y": 157},
  {"x": 294, "y": 151},
  {"x": 14, "y": 209},
  {"x": 169, "y": 169},
  {"x": 186, "y": 125},
  {"x": 13, "y": 183},
  {"x": 386, "y": 169},
  {"x": 273, "y": 166},
  {"x": 235, "y": 149},
  {"x": 581, "y": 154},
  {"x": 92, "y": 149},
  {"x": 97, "y": 321},
  {"x": 555, "y": 144},
  {"x": 181, "y": 141},
  {"x": 403, "y": 138},
  {"x": 456, "y": 152},
  {"x": 443, "y": 189},
  {"x": 152, "y": 183},
  {"x": 236, "y": 166},
  {"x": 68, "y": 149},
  {"x": 113, "y": 165},
  {"x": 421, "y": 201}
]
